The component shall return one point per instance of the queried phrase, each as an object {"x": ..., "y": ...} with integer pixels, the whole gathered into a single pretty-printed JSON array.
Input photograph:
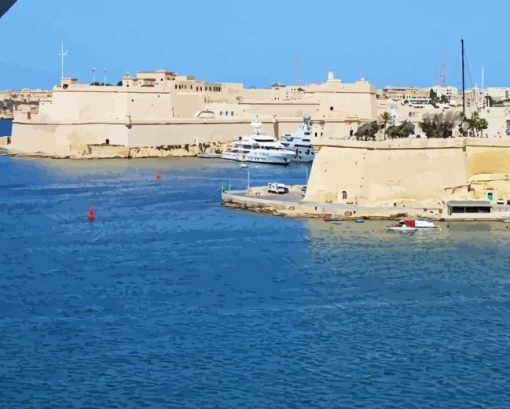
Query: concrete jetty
[{"x": 293, "y": 204}]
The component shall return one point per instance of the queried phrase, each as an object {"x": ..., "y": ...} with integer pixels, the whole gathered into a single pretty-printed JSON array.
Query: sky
[{"x": 258, "y": 43}]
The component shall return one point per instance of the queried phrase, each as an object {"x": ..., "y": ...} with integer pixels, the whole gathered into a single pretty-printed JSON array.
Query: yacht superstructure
[
  {"x": 259, "y": 148},
  {"x": 300, "y": 141}
]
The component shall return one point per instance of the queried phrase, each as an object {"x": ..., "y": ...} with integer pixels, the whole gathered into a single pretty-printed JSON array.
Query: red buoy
[
  {"x": 158, "y": 174},
  {"x": 92, "y": 214}
]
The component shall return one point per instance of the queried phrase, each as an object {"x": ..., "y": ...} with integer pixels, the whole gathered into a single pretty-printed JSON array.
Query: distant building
[{"x": 405, "y": 93}]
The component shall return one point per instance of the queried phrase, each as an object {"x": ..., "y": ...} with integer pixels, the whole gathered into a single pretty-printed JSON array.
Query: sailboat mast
[{"x": 463, "y": 82}]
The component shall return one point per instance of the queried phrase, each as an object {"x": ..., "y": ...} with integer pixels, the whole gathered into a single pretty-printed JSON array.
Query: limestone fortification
[
  {"x": 410, "y": 172},
  {"x": 173, "y": 114}
]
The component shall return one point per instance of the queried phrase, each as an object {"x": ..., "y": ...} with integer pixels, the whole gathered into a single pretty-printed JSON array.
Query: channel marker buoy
[{"x": 92, "y": 214}]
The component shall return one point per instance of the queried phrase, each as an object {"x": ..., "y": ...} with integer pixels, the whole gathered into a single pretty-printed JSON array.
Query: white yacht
[
  {"x": 259, "y": 148},
  {"x": 300, "y": 141}
]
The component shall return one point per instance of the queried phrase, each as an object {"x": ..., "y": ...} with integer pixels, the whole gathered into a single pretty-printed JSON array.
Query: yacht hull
[{"x": 272, "y": 160}]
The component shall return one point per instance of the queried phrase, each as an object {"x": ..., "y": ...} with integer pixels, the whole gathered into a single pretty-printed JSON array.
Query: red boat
[{"x": 406, "y": 226}]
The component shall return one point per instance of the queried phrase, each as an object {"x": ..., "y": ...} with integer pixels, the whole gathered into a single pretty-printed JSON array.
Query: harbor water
[{"x": 169, "y": 300}]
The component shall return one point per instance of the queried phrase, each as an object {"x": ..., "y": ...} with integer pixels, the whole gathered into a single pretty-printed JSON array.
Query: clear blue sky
[{"x": 256, "y": 42}]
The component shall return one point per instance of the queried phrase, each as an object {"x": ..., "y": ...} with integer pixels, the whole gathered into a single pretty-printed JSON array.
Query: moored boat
[
  {"x": 259, "y": 148},
  {"x": 300, "y": 141},
  {"x": 406, "y": 226},
  {"x": 424, "y": 224}
]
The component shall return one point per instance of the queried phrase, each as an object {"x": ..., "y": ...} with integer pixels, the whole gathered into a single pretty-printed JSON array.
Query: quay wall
[{"x": 60, "y": 139}]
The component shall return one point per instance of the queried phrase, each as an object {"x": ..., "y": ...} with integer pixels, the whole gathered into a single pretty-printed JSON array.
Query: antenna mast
[
  {"x": 443, "y": 75},
  {"x": 463, "y": 82},
  {"x": 62, "y": 55}
]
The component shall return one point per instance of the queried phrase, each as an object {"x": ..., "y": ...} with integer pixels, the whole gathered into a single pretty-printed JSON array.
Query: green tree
[
  {"x": 392, "y": 131},
  {"x": 444, "y": 99},
  {"x": 367, "y": 131},
  {"x": 439, "y": 125},
  {"x": 403, "y": 130},
  {"x": 476, "y": 124},
  {"x": 384, "y": 119}
]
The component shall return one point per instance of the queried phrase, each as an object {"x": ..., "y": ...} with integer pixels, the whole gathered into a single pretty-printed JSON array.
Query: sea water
[{"x": 169, "y": 300}]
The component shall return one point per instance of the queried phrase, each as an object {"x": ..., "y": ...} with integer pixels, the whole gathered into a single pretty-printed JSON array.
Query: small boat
[
  {"x": 244, "y": 165},
  {"x": 506, "y": 221},
  {"x": 359, "y": 221},
  {"x": 424, "y": 224},
  {"x": 406, "y": 226},
  {"x": 208, "y": 155}
]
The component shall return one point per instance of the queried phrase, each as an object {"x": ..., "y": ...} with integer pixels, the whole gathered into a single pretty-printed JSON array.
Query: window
[
  {"x": 221, "y": 113},
  {"x": 344, "y": 195},
  {"x": 231, "y": 113},
  {"x": 331, "y": 108}
]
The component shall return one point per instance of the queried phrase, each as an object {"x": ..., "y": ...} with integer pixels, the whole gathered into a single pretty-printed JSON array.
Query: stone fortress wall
[
  {"x": 162, "y": 108},
  {"x": 411, "y": 172}
]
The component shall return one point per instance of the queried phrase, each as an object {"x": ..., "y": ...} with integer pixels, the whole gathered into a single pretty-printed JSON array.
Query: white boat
[
  {"x": 300, "y": 141},
  {"x": 424, "y": 224},
  {"x": 406, "y": 226},
  {"x": 208, "y": 155},
  {"x": 259, "y": 148}
]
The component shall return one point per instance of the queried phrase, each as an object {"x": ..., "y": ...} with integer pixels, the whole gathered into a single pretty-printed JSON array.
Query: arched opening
[
  {"x": 107, "y": 142},
  {"x": 344, "y": 195}
]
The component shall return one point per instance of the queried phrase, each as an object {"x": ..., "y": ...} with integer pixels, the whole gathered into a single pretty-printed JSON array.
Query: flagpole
[{"x": 62, "y": 55}]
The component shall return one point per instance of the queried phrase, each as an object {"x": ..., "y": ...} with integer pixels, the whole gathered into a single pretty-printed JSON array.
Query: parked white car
[{"x": 279, "y": 188}]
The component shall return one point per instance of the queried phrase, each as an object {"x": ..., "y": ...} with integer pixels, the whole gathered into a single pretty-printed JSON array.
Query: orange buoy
[
  {"x": 158, "y": 174},
  {"x": 92, "y": 214}
]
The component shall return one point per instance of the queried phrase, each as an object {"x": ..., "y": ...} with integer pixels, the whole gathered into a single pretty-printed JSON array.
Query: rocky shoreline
[{"x": 105, "y": 151}]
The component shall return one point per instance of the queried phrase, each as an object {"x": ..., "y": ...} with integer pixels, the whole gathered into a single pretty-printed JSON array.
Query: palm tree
[{"x": 384, "y": 119}]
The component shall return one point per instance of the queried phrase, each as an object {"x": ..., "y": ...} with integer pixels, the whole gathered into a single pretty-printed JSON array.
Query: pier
[{"x": 292, "y": 204}]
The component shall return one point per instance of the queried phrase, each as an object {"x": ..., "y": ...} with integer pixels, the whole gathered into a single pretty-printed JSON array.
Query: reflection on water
[{"x": 170, "y": 300}]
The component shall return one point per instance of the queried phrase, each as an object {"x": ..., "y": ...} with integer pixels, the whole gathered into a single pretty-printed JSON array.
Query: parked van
[{"x": 279, "y": 188}]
